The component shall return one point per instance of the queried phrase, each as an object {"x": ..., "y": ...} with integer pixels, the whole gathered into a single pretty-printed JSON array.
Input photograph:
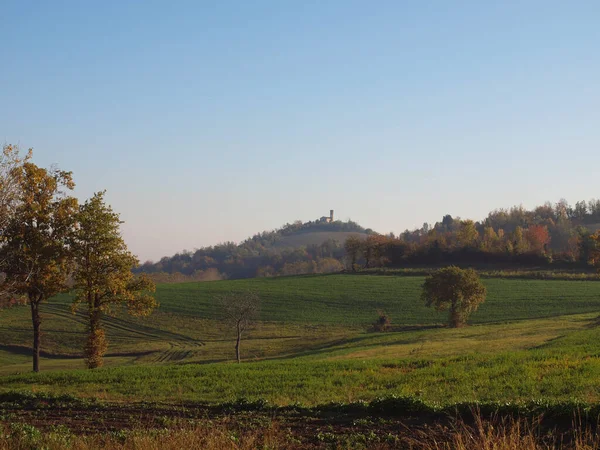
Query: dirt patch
[{"x": 303, "y": 428}]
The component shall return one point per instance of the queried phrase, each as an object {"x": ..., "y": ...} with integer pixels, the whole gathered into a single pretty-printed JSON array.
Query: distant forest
[{"x": 548, "y": 235}]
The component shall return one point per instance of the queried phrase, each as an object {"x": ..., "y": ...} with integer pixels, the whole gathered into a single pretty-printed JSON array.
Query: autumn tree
[
  {"x": 374, "y": 250},
  {"x": 456, "y": 290},
  {"x": 538, "y": 238},
  {"x": 519, "y": 244},
  {"x": 368, "y": 249},
  {"x": 592, "y": 249},
  {"x": 36, "y": 257},
  {"x": 381, "y": 245},
  {"x": 573, "y": 247},
  {"x": 329, "y": 265},
  {"x": 103, "y": 278},
  {"x": 352, "y": 247},
  {"x": 240, "y": 309},
  {"x": 467, "y": 234},
  {"x": 490, "y": 239},
  {"x": 10, "y": 162}
]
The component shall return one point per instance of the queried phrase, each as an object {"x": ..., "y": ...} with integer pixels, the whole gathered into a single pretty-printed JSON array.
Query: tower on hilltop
[{"x": 327, "y": 219}]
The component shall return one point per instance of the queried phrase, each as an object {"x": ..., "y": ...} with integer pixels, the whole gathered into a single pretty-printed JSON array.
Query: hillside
[
  {"x": 315, "y": 238},
  {"x": 311, "y": 247}
]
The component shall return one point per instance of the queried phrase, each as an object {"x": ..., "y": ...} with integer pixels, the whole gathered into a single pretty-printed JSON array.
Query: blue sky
[{"x": 210, "y": 121}]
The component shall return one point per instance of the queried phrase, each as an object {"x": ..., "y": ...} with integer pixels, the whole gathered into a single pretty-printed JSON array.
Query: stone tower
[{"x": 331, "y": 215}]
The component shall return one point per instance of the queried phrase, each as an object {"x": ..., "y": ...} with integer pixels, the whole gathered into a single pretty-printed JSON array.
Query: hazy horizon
[{"x": 208, "y": 123}]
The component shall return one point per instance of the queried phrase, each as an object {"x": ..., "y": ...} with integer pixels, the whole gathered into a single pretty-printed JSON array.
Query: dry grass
[
  {"x": 505, "y": 434},
  {"x": 203, "y": 436},
  {"x": 495, "y": 434}
]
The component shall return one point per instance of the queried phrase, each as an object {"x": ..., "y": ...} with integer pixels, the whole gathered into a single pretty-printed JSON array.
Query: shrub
[{"x": 383, "y": 322}]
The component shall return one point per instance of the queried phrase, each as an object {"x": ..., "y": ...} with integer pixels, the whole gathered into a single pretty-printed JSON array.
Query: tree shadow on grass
[
  {"x": 594, "y": 322},
  {"x": 329, "y": 346},
  {"x": 23, "y": 350}
]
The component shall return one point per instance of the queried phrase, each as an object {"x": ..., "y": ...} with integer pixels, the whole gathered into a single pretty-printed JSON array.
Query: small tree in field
[
  {"x": 240, "y": 309},
  {"x": 383, "y": 322},
  {"x": 103, "y": 278},
  {"x": 456, "y": 290}
]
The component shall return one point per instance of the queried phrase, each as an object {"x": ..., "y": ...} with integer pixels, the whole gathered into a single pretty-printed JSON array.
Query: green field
[
  {"x": 531, "y": 339},
  {"x": 550, "y": 359}
]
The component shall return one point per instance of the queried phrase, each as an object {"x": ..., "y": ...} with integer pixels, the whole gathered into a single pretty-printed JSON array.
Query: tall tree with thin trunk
[
  {"x": 103, "y": 278},
  {"x": 352, "y": 247},
  {"x": 35, "y": 252},
  {"x": 591, "y": 249},
  {"x": 240, "y": 309}
]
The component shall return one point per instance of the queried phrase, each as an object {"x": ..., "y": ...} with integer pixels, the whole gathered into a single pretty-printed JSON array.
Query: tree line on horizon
[
  {"x": 547, "y": 235},
  {"x": 550, "y": 234},
  {"x": 50, "y": 244}
]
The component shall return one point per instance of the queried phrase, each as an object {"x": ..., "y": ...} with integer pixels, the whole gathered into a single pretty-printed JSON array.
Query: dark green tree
[{"x": 453, "y": 289}]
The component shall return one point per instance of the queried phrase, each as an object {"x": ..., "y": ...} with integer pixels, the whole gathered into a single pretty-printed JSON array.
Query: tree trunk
[
  {"x": 455, "y": 318},
  {"x": 96, "y": 346},
  {"x": 237, "y": 343},
  {"x": 37, "y": 322},
  {"x": 95, "y": 320}
]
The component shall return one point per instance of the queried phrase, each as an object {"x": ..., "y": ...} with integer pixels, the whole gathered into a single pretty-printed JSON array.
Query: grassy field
[
  {"x": 550, "y": 358},
  {"x": 299, "y": 316},
  {"x": 533, "y": 342},
  {"x": 354, "y": 300},
  {"x": 531, "y": 338}
]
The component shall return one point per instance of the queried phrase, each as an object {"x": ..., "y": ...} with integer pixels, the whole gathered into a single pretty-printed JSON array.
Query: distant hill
[
  {"x": 307, "y": 239},
  {"x": 299, "y": 247}
]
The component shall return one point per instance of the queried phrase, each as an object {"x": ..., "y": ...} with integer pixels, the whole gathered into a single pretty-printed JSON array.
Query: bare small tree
[{"x": 240, "y": 309}]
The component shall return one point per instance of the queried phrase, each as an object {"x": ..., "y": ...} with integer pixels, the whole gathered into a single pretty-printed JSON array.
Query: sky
[{"x": 211, "y": 121}]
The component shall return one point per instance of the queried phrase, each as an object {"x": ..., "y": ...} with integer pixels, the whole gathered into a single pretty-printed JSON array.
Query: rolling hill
[
  {"x": 315, "y": 238},
  {"x": 294, "y": 248}
]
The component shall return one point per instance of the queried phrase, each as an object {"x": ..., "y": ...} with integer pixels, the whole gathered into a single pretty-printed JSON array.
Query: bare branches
[{"x": 240, "y": 309}]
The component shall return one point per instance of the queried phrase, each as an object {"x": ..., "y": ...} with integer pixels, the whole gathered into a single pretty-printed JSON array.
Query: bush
[{"x": 383, "y": 322}]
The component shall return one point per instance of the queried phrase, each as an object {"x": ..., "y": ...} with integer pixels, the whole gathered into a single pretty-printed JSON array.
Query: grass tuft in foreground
[{"x": 481, "y": 434}]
